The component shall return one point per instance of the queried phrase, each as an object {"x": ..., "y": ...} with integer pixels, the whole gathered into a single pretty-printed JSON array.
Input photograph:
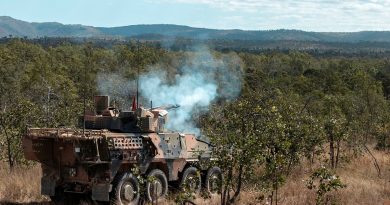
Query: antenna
[
  {"x": 84, "y": 87},
  {"x": 138, "y": 65}
]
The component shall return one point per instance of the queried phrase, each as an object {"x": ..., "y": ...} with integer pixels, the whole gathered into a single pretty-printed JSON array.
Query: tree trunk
[
  {"x": 9, "y": 151},
  {"x": 337, "y": 153},
  {"x": 276, "y": 183},
  {"x": 276, "y": 193},
  {"x": 225, "y": 195},
  {"x": 290, "y": 163},
  {"x": 331, "y": 150},
  {"x": 313, "y": 154},
  {"x": 239, "y": 183},
  {"x": 376, "y": 164}
]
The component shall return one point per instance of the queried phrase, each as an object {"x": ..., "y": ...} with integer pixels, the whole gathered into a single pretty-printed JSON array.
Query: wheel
[
  {"x": 156, "y": 185},
  {"x": 191, "y": 181},
  {"x": 213, "y": 182},
  {"x": 126, "y": 190}
]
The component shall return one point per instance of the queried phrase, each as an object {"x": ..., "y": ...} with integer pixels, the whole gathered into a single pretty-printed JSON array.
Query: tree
[
  {"x": 230, "y": 129},
  {"x": 13, "y": 123},
  {"x": 260, "y": 130}
]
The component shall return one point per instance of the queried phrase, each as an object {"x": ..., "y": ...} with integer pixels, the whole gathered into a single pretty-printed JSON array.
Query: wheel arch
[{"x": 158, "y": 165}]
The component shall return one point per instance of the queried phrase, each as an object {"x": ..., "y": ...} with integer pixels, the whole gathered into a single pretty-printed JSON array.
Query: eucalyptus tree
[{"x": 258, "y": 139}]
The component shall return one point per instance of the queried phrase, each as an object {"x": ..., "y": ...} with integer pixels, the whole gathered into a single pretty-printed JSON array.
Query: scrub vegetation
[{"x": 306, "y": 128}]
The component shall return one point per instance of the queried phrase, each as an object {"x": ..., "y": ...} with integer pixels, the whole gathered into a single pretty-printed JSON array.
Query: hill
[{"x": 10, "y": 26}]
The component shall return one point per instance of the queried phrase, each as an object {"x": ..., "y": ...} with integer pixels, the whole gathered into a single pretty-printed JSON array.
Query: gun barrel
[{"x": 166, "y": 107}]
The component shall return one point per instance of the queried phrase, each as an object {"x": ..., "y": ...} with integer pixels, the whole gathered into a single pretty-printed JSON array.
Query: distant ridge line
[{"x": 18, "y": 28}]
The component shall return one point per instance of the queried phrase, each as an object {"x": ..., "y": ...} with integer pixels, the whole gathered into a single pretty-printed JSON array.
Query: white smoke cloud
[
  {"x": 202, "y": 80},
  {"x": 120, "y": 89}
]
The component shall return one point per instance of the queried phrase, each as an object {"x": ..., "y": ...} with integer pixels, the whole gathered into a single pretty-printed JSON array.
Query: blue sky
[{"x": 309, "y": 15}]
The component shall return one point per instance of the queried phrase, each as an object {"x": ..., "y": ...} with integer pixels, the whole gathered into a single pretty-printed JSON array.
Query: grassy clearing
[{"x": 364, "y": 186}]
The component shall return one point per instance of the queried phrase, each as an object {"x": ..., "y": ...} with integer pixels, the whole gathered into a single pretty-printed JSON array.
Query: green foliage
[
  {"x": 323, "y": 182},
  {"x": 262, "y": 129},
  {"x": 184, "y": 197},
  {"x": 13, "y": 124},
  {"x": 293, "y": 105},
  {"x": 45, "y": 86}
]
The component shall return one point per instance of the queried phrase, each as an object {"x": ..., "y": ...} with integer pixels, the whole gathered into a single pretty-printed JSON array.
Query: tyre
[
  {"x": 156, "y": 185},
  {"x": 191, "y": 180},
  {"x": 126, "y": 190},
  {"x": 213, "y": 181}
]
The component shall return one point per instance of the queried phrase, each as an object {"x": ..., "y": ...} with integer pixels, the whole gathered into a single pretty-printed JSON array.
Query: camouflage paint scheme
[{"x": 87, "y": 160}]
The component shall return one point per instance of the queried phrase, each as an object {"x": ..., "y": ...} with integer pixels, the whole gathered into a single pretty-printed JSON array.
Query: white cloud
[{"x": 319, "y": 15}]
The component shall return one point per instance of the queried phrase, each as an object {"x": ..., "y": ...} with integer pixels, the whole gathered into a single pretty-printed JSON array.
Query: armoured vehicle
[{"x": 105, "y": 159}]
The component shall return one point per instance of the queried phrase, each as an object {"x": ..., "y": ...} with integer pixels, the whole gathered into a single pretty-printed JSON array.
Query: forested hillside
[
  {"x": 293, "y": 108},
  {"x": 18, "y": 28}
]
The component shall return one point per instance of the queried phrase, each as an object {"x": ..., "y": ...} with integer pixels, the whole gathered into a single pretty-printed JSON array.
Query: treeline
[
  {"x": 295, "y": 108},
  {"x": 322, "y": 49},
  {"x": 293, "y": 105}
]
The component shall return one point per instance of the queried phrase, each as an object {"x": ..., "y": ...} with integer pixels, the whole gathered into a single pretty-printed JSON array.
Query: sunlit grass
[{"x": 363, "y": 185}]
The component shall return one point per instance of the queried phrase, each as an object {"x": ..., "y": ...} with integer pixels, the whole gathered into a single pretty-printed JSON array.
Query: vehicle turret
[{"x": 136, "y": 120}]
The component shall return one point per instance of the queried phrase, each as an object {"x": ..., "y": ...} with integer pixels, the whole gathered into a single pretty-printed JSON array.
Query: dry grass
[
  {"x": 363, "y": 185},
  {"x": 22, "y": 185}
]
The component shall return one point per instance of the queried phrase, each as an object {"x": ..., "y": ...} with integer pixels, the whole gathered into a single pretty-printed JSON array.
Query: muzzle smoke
[{"x": 201, "y": 80}]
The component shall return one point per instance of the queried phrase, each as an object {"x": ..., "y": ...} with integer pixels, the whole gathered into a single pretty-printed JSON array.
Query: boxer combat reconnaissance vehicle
[{"x": 105, "y": 159}]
